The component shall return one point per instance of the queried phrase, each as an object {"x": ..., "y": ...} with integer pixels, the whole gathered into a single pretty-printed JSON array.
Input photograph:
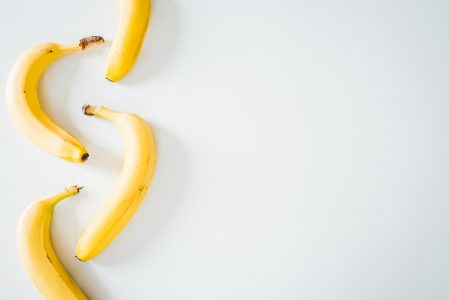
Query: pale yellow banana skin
[
  {"x": 128, "y": 40},
  {"x": 132, "y": 185},
  {"x": 24, "y": 106},
  {"x": 37, "y": 254}
]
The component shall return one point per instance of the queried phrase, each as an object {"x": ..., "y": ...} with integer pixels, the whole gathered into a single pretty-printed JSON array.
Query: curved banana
[
  {"x": 134, "y": 18},
  {"x": 24, "y": 106},
  {"x": 131, "y": 187},
  {"x": 36, "y": 250}
]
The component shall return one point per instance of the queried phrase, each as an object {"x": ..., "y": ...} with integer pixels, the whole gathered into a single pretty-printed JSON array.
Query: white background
[{"x": 303, "y": 149}]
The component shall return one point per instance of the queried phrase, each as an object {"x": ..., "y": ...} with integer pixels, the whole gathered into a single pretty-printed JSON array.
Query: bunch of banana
[
  {"x": 34, "y": 242},
  {"x": 23, "y": 102},
  {"x": 36, "y": 251},
  {"x": 131, "y": 187},
  {"x": 134, "y": 18}
]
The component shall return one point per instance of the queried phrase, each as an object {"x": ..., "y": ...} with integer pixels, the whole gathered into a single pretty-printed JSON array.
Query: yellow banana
[
  {"x": 131, "y": 187},
  {"x": 134, "y": 18},
  {"x": 36, "y": 250},
  {"x": 23, "y": 102}
]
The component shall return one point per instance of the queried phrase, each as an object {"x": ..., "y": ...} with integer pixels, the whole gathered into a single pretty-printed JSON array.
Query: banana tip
[
  {"x": 84, "y": 157},
  {"x": 79, "y": 259}
]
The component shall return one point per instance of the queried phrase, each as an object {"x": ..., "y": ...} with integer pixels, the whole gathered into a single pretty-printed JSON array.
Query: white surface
[{"x": 303, "y": 149}]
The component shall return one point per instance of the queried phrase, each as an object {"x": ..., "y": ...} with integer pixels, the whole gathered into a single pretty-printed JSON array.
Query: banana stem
[
  {"x": 67, "y": 192},
  {"x": 87, "y": 41},
  {"x": 83, "y": 44},
  {"x": 100, "y": 111}
]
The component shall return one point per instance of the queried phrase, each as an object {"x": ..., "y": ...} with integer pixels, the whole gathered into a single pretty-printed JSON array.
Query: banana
[
  {"x": 36, "y": 251},
  {"x": 134, "y": 18},
  {"x": 23, "y": 102},
  {"x": 131, "y": 187}
]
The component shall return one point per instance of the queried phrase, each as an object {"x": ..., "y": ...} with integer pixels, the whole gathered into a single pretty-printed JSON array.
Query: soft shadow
[
  {"x": 65, "y": 230},
  {"x": 58, "y": 82},
  {"x": 159, "y": 45},
  {"x": 91, "y": 284},
  {"x": 101, "y": 158},
  {"x": 153, "y": 216}
]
